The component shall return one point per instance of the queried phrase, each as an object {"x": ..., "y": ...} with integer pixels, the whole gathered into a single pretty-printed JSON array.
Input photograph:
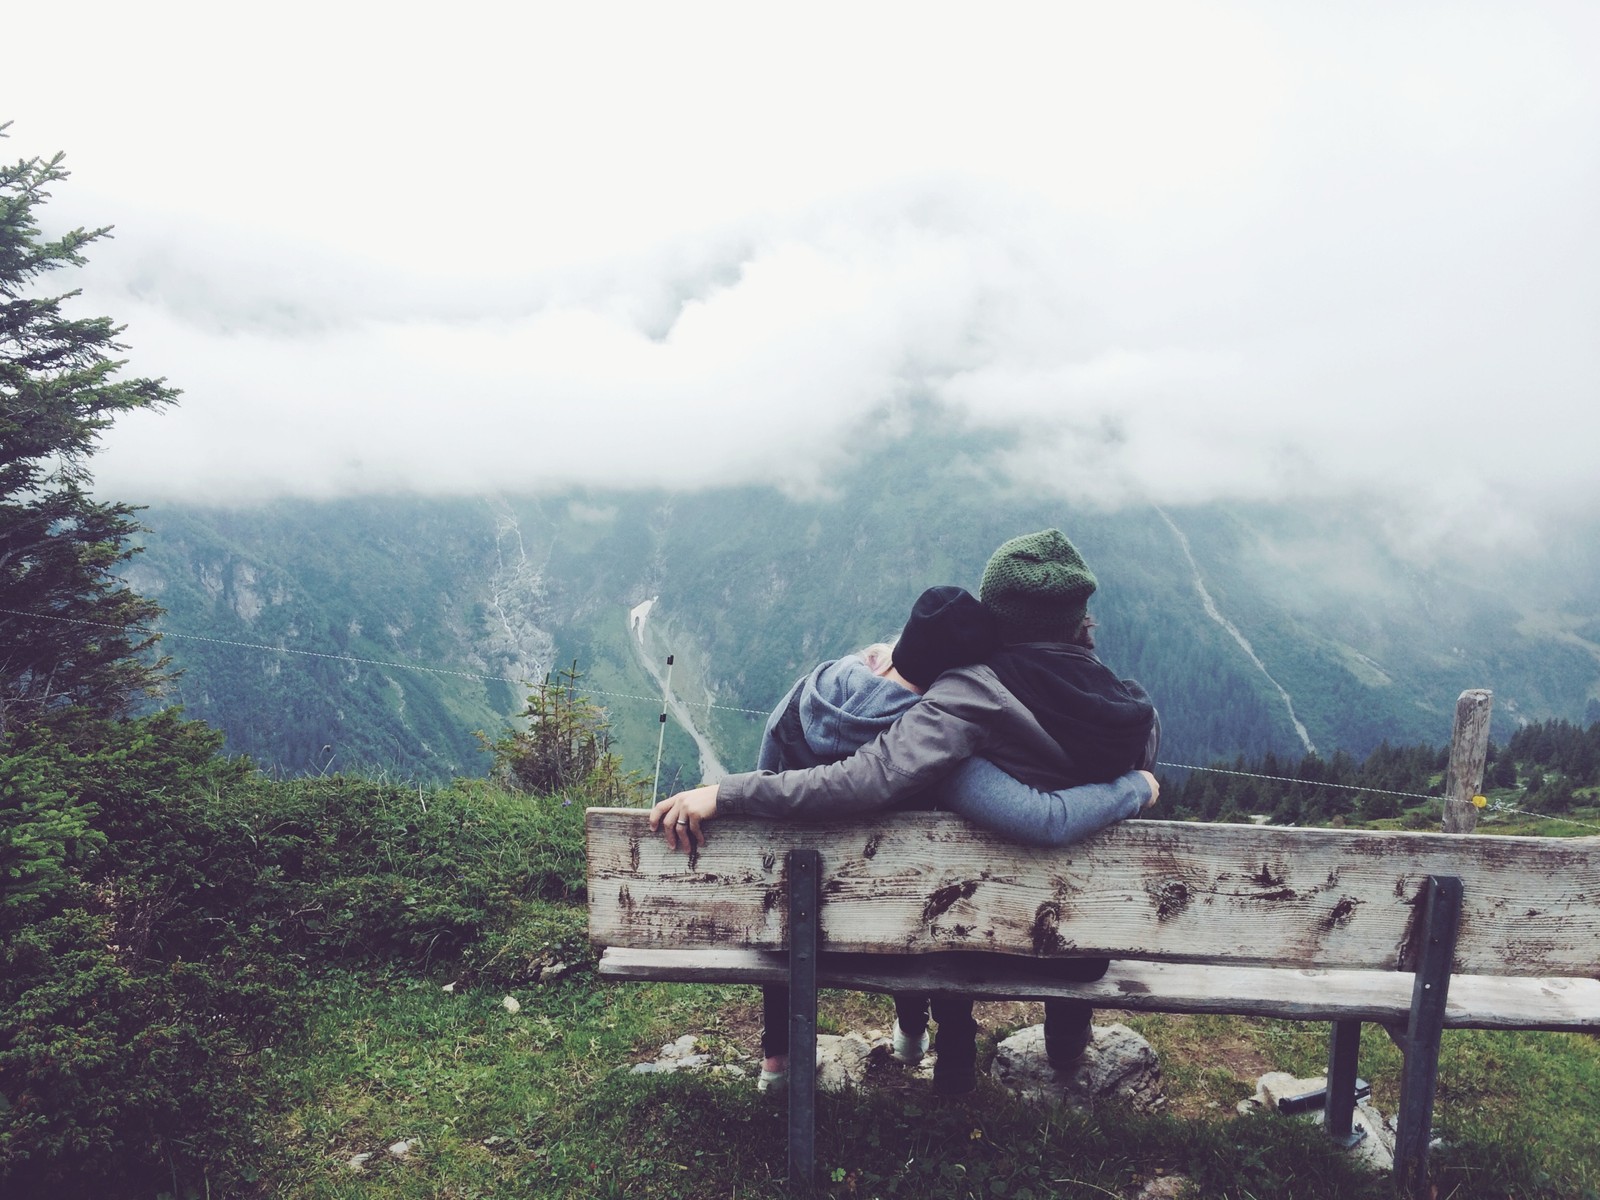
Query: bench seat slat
[
  {"x": 1475, "y": 1002},
  {"x": 1165, "y": 891}
]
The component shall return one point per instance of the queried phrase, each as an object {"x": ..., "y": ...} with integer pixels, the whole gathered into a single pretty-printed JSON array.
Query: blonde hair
[{"x": 879, "y": 657}]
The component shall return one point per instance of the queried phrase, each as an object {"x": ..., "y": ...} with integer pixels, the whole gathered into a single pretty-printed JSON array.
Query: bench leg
[
  {"x": 805, "y": 866},
  {"x": 1441, "y": 915},
  {"x": 1339, "y": 1104}
]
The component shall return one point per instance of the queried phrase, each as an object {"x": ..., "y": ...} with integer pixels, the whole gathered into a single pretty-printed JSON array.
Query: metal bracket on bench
[
  {"x": 805, "y": 869},
  {"x": 1440, "y": 918},
  {"x": 1343, "y": 1088}
]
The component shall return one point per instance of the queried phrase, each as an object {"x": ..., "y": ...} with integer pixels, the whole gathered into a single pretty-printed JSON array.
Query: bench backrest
[{"x": 1180, "y": 892}]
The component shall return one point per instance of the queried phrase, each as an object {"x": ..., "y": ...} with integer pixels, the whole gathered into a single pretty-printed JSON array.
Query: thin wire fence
[
  {"x": 1500, "y": 807},
  {"x": 1313, "y": 783},
  {"x": 491, "y": 677},
  {"x": 1495, "y": 807}
]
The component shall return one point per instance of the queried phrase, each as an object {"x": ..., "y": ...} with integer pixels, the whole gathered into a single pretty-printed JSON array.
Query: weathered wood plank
[
  {"x": 922, "y": 882},
  {"x": 1476, "y": 1001}
]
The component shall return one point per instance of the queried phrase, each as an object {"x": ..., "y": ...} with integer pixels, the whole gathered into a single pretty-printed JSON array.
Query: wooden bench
[{"x": 1417, "y": 932}]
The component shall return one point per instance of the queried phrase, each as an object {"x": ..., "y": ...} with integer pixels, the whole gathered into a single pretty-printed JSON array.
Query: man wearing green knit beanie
[{"x": 1038, "y": 588}]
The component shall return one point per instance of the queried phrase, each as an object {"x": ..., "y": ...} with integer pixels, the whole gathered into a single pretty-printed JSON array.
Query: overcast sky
[{"x": 1196, "y": 251}]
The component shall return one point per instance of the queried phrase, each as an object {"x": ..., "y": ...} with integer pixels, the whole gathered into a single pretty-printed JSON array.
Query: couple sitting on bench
[{"x": 993, "y": 708}]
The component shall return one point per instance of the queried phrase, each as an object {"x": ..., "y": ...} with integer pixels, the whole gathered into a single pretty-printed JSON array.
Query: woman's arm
[
  {"x": 948, "y": 725},
  {"x": 988, "y": 797}
]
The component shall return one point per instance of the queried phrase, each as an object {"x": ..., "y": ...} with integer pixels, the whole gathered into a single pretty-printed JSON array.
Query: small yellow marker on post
[{"x": 1480, "y": 802}]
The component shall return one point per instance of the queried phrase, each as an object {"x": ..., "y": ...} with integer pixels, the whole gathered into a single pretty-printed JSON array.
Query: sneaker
[
  {"x": 905, "y": 1049},
  {"x": 773, "y": 1083}
]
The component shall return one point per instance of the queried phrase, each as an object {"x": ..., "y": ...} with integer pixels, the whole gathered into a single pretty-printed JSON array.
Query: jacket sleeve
[
  {"x": 989, "y": 798},
  {"x": 951, "y": 722}
]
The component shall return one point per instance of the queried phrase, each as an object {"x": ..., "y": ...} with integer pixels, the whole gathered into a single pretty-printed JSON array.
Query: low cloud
[
  {"x": 1425, "y": 380},
  {"x": 1273, "y": 256}
]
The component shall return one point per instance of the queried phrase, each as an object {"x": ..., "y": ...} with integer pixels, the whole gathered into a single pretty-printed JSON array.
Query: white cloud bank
[{"x": 1249, "y": 251}]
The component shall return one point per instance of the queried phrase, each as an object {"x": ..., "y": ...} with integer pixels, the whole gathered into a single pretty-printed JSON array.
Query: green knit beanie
[{"x": 1038, "y": 588}]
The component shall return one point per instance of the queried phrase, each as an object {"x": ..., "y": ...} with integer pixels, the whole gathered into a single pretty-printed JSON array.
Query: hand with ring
[{"x": 679, "y": 817}]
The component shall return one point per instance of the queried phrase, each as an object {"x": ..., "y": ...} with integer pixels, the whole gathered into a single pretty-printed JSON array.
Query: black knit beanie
[
  {"x": 1038, "y": 588},
  {"x": 947, "y": 628}
]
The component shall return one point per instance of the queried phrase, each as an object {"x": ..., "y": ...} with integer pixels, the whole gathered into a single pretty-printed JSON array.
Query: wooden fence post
[
  {"x": 1463, "y": 778},
  {"x": 1469, "y": 747}
]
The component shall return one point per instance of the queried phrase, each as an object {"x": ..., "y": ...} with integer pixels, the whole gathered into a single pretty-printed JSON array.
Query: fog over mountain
[{"x": 1251, "y": 253}]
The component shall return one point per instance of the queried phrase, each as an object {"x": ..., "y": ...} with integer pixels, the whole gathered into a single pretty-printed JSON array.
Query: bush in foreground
[{"x": 161, "y": 939}]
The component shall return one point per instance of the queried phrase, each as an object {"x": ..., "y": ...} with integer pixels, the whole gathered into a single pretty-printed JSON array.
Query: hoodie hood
[
  {"x": 1104, "y": 724},
  {"x": 843, "y": 706},
  {"x": 831, "y": 713}
]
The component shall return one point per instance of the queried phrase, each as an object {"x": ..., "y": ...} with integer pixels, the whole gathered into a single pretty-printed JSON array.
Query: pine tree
[
  {"x": 71, "y": 633},
  {"x": 564, "y": 744}
]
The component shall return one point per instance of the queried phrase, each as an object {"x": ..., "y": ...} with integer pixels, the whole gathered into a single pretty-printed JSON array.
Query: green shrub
[
  {"x": 124, "y": 1074},
  {"x": 43, "y": 830},
  {"x": 548, "y": 941},
  {"x": 161, "y": 908},
  {"x": 130, "y": 1011},
  {"x": 346, "y": 869}
]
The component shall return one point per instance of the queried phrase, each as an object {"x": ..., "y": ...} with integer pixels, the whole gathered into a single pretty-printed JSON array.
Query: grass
[
  {"x": 1582, "y": 819},
  {"x": 540, "y": 1103}
]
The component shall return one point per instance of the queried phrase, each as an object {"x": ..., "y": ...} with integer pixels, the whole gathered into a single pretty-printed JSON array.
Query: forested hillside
[
  {"x": 1318, "y": 634},
  {"x": 1549, "y": 772}
]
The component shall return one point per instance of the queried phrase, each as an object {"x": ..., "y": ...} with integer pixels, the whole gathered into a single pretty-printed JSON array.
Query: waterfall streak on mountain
[
  {"x": 1212, "y": 611},
  {"x": 711, "y": 768},
  {"x": 514, "y": 590}
]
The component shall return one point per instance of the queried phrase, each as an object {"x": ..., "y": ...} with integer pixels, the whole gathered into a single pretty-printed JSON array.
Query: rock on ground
[
  {"x": 1376, "y": 1149},
  {"x": 1119, "y": 1065},
  {"x": 1167, "y": 1187},
  {"x": 841, "y": 1060},
  {"x": 681, "y": 1055}
]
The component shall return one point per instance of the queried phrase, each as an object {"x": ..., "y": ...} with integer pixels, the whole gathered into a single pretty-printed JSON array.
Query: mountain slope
[{"x": 1256, "y": 629}]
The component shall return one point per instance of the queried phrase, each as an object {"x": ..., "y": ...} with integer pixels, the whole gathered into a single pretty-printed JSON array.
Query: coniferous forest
[{"x": 1546, "y": 770}]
